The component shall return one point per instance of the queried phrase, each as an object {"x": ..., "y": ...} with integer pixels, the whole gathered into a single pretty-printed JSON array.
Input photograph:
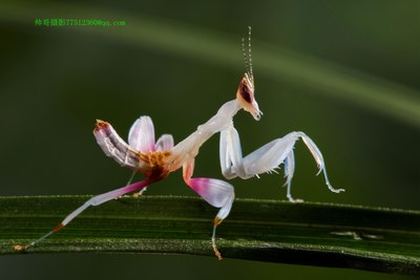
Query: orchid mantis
[{"x": 157, "y": 159}]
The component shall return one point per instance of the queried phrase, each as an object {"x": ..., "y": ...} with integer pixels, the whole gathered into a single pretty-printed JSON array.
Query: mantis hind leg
[{"x": 94, "y": 201}]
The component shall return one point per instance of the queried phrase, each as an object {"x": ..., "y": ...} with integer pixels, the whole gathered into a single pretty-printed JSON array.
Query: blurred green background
[{"x": 345, "y": 72}]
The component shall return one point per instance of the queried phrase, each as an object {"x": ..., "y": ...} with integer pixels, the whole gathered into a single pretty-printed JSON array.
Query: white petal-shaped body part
[
  {"x": 142, "y": 135},
  {"x": 164, "y": 143}
]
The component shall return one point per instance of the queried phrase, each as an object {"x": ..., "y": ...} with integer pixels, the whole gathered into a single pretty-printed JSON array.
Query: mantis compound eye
[{"x": 245, "y": 93}]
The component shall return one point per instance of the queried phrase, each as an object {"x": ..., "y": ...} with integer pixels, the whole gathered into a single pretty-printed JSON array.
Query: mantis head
[
  {"x": 245, "y": 93},
  {"x": 245, "y": 96}
]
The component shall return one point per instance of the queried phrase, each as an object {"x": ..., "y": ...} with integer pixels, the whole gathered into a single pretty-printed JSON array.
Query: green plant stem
[{"x": 377, "y": 239}]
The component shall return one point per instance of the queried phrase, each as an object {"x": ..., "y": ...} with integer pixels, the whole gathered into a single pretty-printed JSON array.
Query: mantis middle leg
[{"x": 216, "y": 192}]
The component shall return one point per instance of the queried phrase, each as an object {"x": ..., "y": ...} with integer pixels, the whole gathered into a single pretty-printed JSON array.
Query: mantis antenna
[
  {"x": 248, "y": 54},
  {"x": 245, "y": 55}
]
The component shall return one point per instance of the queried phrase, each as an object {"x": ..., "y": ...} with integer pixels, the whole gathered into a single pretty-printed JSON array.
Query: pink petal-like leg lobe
[{"x": 216, "y": 192}]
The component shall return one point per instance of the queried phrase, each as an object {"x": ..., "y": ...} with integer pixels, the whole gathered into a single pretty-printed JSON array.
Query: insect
[{"x": 157, "y": 159}]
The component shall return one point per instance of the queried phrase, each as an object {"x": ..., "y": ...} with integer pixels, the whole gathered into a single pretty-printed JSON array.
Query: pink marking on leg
[
  {"x": 102, "y": 198},
  {"x": 137, "y": 186},
  {"x": 215, "y": 192},
  {"x": 199, "y": 185},
  {"x": 188, "y": 171}
]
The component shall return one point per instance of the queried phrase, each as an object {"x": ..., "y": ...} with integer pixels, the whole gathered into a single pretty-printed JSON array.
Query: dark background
[{"x": 178, "y": 61}]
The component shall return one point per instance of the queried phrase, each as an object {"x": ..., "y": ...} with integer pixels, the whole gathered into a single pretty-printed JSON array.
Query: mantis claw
[{"x": 295, "y": 200}]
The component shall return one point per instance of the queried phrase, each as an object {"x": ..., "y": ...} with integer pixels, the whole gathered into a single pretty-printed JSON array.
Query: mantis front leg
[{"x": 267, "y": 158}]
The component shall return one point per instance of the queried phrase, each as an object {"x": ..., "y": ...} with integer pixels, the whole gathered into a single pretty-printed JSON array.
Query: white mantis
[{"x": 157, "y": 159}]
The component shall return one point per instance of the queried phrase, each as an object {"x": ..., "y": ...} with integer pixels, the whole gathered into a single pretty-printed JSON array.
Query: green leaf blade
[{"x": 377, "y": 239}]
